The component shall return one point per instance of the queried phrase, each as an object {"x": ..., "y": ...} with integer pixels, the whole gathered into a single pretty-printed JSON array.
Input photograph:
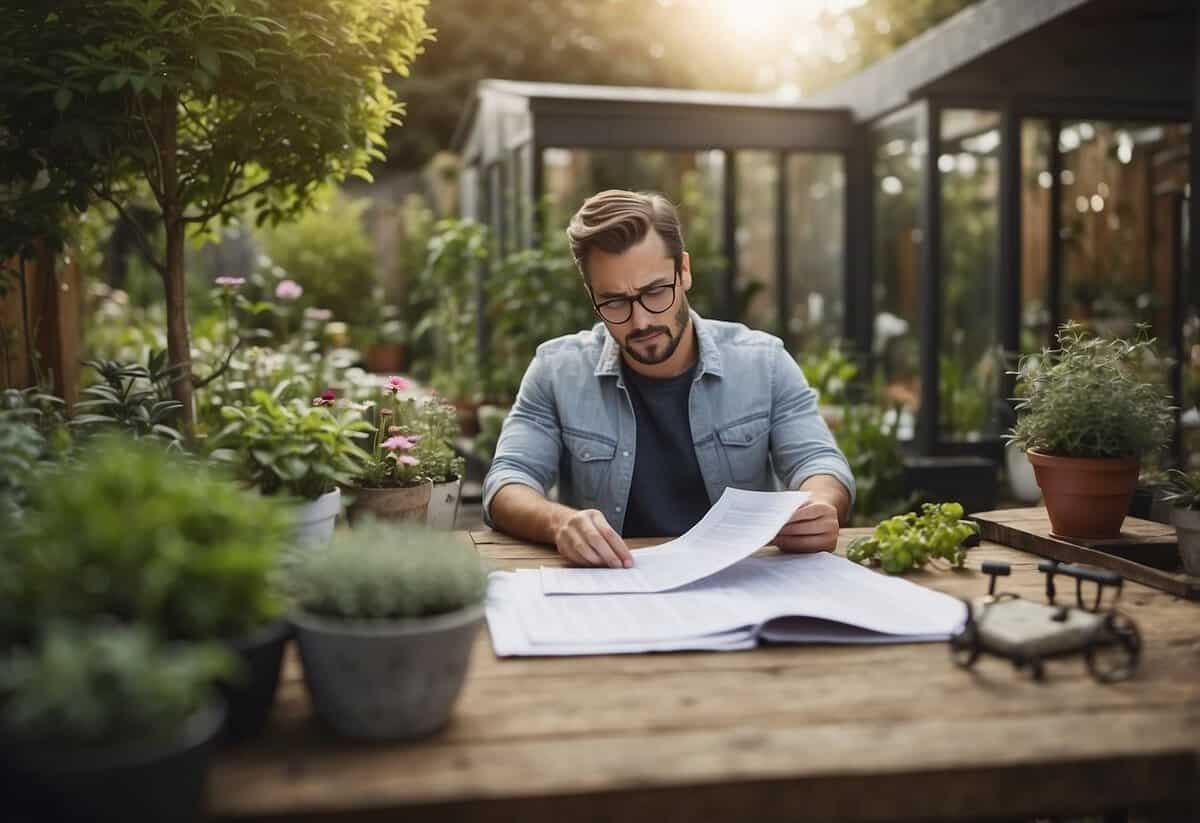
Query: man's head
[{"x": 629, "y": 245}]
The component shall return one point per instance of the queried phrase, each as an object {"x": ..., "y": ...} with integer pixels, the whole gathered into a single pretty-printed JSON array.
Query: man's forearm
[
  {"x": 827, "y": 488},
  {"x": 522, "y": 512}
]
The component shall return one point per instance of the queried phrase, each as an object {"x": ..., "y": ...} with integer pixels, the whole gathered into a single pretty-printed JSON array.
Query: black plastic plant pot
[
  {"x": 250, "y": 698},
  {"x": 130, "y": 783}
]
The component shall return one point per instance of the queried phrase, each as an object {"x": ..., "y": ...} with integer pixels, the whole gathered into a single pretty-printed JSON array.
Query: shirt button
[
  {"x": 624, "y": 454},
  {"x": 618, "y": 508},
  {"x": 586, "y": 455}
]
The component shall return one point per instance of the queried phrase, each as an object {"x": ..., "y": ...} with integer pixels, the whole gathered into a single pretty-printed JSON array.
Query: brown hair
[{"x": 615, "y": 220}]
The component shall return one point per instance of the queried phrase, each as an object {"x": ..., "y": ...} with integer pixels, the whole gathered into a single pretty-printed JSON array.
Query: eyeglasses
[{"x": 656, "y": 300}]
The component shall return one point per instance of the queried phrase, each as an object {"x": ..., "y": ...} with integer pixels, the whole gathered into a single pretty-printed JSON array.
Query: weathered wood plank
[
  {"x": 1034, "y": 536},
  {"x": 835, "y": 769}
]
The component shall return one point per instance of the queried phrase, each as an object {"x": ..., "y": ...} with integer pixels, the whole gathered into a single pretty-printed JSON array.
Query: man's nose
[{"x": 639, "y": 318}]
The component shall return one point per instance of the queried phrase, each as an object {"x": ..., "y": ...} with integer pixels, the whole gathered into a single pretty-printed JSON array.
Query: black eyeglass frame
[{"x": 638, "y": 297}]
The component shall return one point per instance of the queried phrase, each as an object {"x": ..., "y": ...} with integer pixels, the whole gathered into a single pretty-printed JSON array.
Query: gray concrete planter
[
  {"x": 386, "y": 680},
  {"x": 1187, "y": 528}
]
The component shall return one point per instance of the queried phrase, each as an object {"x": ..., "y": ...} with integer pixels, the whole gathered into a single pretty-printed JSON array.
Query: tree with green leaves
[{"x": 200, "y": 107}]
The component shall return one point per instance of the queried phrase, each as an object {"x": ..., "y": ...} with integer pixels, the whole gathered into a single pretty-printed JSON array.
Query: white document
[
  {"x": 813, "y": 598},
  {"x": 737, "y": 526}
]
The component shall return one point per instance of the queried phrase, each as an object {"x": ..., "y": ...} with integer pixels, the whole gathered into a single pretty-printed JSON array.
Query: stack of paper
[{"x": 703, "y": 591}]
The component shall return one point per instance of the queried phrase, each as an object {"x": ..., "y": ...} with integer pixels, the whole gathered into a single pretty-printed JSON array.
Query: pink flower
[
  {"x": 230, "y": 282},
  {"x": 317, "y": 315},
  {"x": 327, "y": 398},
  {"x": 395, "y": 385},
  {"x": 407, "y": 460},
  {"x": 395, "y": 430},
  {"x": 397, "y": 443},
  {"x": 289, "y": 290}
]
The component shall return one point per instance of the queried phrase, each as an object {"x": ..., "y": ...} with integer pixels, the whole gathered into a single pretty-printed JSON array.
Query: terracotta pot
[
  {"x": 468, "y": 418},
  {"x": 410, "y": 503},
  {"x": 384, "y": 358},
  {"x": 1085, "y": 497}
]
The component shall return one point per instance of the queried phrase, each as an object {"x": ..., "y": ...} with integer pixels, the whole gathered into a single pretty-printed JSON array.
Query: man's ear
[{"x": 685, "y": 272}]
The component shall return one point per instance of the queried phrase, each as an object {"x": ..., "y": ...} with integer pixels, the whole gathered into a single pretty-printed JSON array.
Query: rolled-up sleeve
[
  {"x": 801, "y": 444},
  {"x": 530, "y": 440}
]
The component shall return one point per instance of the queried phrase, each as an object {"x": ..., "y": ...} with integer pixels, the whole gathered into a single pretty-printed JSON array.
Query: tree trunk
[{"x": 179, "y": 347}]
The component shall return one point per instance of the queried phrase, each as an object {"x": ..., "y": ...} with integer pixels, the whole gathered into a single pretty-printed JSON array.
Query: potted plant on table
[
  {"x": 106, "y": 722},
  {"x": 386, "y": 620},
  {"x": 1183, "y": 494},
  {"x": 1086, "y": 419},
  {"x": 393, "y": 483},
  {"x": 443, "y": 466},
  {"x": 135, "y": 535},
  {"x": 305, "y": 452}
]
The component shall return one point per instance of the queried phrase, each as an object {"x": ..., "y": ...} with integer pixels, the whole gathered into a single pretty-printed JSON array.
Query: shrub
[
  {"x": 138, "y": 535},
  {"x": 379, "y": 572},
  {"x": 1085, "y": 399},
  {"x": 104, "y": 684}
]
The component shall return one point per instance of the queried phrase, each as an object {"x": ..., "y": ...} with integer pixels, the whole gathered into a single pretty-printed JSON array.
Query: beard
[{"x": 661, "y": 348}]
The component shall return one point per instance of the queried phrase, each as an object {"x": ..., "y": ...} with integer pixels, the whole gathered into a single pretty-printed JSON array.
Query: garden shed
[{"x": 1017, "y": 166}]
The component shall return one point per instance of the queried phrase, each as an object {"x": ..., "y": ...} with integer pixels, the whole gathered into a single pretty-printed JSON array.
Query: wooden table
[{"x": 779, "y": 733}]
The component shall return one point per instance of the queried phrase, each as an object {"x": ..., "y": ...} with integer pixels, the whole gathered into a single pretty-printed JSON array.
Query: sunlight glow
[{"x": 753, "y": 19}]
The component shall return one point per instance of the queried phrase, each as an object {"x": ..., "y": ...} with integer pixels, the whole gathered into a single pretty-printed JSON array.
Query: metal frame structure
[{"x": 1052, "y": 60}]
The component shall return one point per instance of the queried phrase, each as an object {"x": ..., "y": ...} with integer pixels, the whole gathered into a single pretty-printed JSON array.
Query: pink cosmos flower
[
  {"x": 395, "y": 385},
  {"x": 230, "y": 282},
  {"x": 289, "y": 290},
  {"x": 407, "y": 460},
  {"x": 397, "y": 443},
  {"x": 317, "y": 315}
]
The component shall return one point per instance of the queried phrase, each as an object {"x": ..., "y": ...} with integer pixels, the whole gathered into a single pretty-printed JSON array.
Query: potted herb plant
[
  {"x": 386, "y": 620},
  {"x": 138, "y": 535},
  {"x": 1183, "y": 494},
  {"x": 443, "y": 466},
  {"x": 1086, "y": 418},
  {"x": 305, "y": 452},
  {"x": 393, "y": 483},
  {"x": 107, "y": 722}
]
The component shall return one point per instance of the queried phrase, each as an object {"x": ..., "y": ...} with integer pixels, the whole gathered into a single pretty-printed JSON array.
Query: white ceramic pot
[
  {"x": 443, "y": 505},
  {"x": 1022, "y": 481},
  {"x": 315, "y": 520},
  {"x": 1187, "y": 529}
]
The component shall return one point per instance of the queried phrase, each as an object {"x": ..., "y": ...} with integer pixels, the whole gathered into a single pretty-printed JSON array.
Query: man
[{"x": 648, "y": 417}]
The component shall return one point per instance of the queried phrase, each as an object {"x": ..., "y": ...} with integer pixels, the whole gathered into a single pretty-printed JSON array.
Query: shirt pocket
[
  {"x": 745, "y": 444},
  {"x": 590, "y": 463}
]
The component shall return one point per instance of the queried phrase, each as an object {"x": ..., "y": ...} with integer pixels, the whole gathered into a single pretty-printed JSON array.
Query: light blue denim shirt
[{"x": 754, "y": 421}]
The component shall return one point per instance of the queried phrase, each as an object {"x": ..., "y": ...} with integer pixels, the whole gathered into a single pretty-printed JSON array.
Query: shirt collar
[{"x": 609, "y": 364}]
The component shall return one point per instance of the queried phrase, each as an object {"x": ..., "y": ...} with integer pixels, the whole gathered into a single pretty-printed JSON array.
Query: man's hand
[
  {"x": 586, "y": 539},
  {"x": 813, "y": 528}
]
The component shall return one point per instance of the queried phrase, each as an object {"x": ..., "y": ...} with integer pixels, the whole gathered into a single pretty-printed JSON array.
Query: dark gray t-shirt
[{"x": 667, "y": 496}]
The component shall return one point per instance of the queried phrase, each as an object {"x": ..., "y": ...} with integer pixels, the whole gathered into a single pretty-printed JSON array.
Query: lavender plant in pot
[
  {"x": 386, "y": 620},
  {"x": 393, "y": 483},
  {"x": 303, "y": 452},
  {"x": 1183, "y": 494},
  {"x": 1086, "y": 418}
]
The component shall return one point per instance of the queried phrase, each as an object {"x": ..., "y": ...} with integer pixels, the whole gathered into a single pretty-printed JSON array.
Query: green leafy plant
[
  {"x": 379, "y": 572},
  {"x": 438, "y": 424},
  {"x": 866, "y": 434},
  {"x": 104, "y": 684},
  {"x": 290, "y": 448},
  {"x": 200, "y": 108},
  {"x": 328, "y": 252},
  {"x": 1183, "y": 489},
  {"x": 490, "y": 426},
  {"x": 26, "y": 420},
  {"x": 829, "y": 373},
  {"x": 1085, "y": 399},
  {"x": 138, "y": 534},
  {"x": 132, "y": 398},
  {"x": 909, "y": 541}
]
